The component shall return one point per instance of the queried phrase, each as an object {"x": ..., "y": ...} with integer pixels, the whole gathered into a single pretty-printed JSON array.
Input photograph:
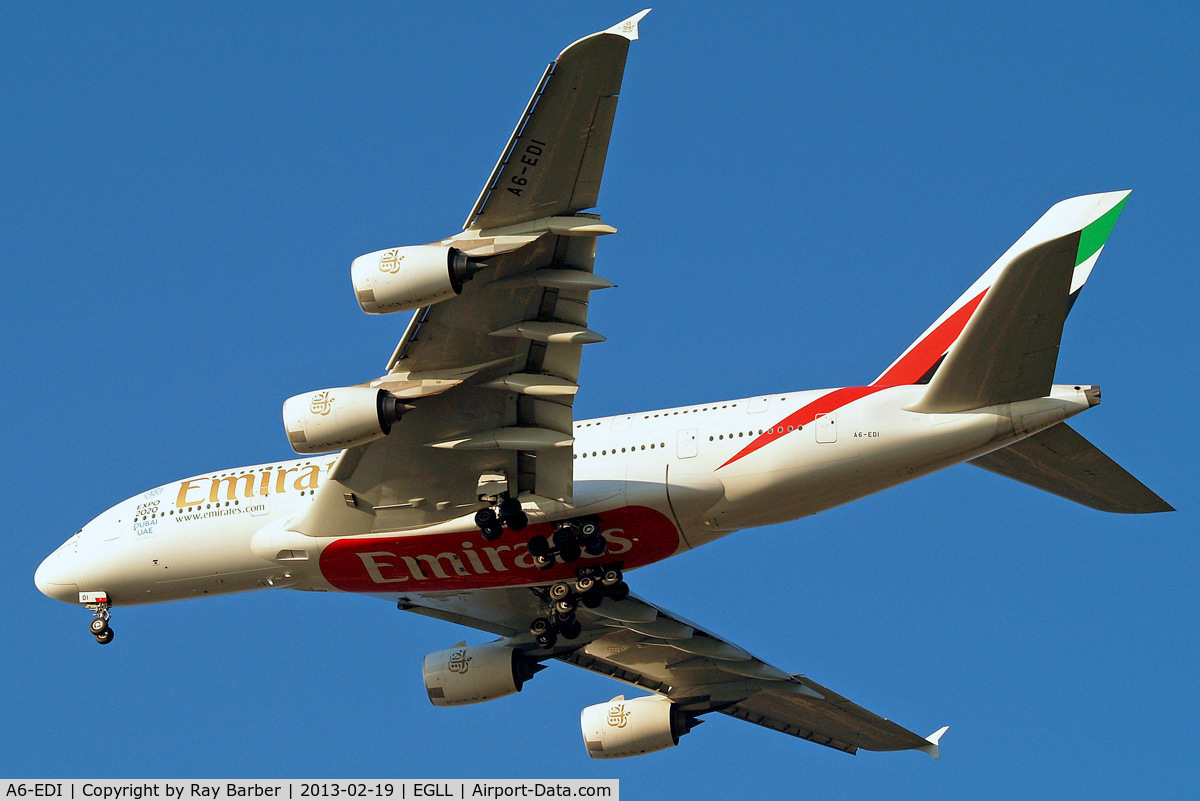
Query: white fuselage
[{"x": 663, "y": 482}]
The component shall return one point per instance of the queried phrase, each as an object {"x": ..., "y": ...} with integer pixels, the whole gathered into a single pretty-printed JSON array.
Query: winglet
[
  {"x": 932, "y": 749},
  {"x": 628, "y": 27}
]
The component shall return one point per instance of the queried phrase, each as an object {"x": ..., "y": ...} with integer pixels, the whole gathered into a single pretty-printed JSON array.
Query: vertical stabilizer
[{"x": 998, "y": 343}]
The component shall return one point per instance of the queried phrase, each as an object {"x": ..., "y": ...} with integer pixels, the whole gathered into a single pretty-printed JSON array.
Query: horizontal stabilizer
[{"x": 1060, "y": 461}]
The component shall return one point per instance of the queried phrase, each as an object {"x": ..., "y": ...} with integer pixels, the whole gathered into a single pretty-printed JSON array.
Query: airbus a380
[{"x": 458, "y": 485}]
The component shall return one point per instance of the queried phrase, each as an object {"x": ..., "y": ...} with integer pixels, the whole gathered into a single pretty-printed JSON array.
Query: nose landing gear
[{"x": 98, "y": 603}]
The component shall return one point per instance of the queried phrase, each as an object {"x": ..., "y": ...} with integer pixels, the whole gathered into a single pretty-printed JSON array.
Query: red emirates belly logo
[{"x": 637, "y": 536}]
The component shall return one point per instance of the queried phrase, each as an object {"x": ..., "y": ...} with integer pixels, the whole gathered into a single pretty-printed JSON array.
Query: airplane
[{"x": 459, "y": 486}]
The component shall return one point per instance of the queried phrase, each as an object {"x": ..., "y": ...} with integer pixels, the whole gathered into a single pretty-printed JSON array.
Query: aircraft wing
[
  {"x": 641, "y": 644},
  {"x": 491, "y": 374},
  {"x": 555, "y": 157}
]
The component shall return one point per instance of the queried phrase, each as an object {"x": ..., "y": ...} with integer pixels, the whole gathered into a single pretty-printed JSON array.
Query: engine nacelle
[
  {"x": 331, "y": 419},
  {"x": 400, "y": 279},
  {"x": 624, "y": 728},
  {"x": 469, "y": 674}
]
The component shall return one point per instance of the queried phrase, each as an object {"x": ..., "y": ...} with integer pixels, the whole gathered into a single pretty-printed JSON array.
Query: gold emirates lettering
[{"x": 247, "y": 485}]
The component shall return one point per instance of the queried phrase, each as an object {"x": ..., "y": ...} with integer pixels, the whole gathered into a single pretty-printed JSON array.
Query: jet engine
[
  {"x": 469, "y": 674},
  {"x": 331, "y": 419},
  {"x": 624, "y": 728},
  {"x": 400, "y": 279}
]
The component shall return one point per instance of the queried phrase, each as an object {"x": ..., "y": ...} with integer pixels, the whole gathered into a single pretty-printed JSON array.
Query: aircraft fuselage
[{"x": 662, "y": 482}]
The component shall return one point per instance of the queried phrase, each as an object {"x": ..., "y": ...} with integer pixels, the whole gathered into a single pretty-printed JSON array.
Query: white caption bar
[{"x": 299, "y": 790}]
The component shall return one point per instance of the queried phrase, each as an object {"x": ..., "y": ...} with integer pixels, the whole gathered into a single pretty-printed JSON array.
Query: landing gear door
[
  {"x": 686, "y": 444},
  {"x": 826, "y": 425}
]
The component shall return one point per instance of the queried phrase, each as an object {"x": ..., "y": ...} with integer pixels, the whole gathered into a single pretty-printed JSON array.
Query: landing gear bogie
[{"x": 504, "y": 513}]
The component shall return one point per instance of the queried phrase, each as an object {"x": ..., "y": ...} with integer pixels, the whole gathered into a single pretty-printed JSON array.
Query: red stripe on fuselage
[
  {"x": 805, "y": 415},
  {"x": 908, "y": 370}
]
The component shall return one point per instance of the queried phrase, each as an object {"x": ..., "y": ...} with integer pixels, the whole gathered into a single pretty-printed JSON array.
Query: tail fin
[{"x": 998, "y": 343}]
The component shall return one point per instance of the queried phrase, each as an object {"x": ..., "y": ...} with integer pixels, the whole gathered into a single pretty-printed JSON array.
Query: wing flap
[{"x": 1061, "y": 461}]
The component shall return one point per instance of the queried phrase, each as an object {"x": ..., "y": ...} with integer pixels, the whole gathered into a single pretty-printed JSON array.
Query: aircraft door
[
  {"x": 686, "y": 444},
  {"x": 826, "y": 426}
]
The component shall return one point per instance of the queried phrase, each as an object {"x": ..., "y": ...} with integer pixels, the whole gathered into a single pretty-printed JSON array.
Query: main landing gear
[
  {"x": 99, "y": 626},
  {"x": 571, "y": 539},
  {"x": 569, "y": 542},
  {"x": 590, "y": 587},
  {"x": 506, "y": 513}
]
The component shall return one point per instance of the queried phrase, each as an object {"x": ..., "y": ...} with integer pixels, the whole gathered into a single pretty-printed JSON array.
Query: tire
[
  {"x": 539, "y": 546},
  {"x": 589, "y": 529},
  {"x": 563, "y": 538},
  {"x": 539, "y": 625},
  {"x": 492, "y": 532},
  {"x": 560, "y": 591},
  {"x": 619, "y": 591},
  {"x": 547, "y": 640},
  {"x": 485, "y": 518},
  {"x": 571, "y": 553},
  {"x": 105, "y": 637},
  {"x": 596, "y": 546},
  {"x": 509, "y": 506},
  {"x": 516, "y": 521},
  {"x": 565, "y": 607},
  {"x": 543, "y": 562},
  {"x": 98, "y": 625},
  {"x": 611, "y": 577},
  {"x": 584, "y": 584},
  {"x": 563, "y": 618},
  {"x": 571, "y": 630},
  {"x": 594, "y": 598}
]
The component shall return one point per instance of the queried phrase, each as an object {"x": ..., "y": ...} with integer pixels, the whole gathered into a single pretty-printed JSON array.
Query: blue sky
[{"x": 800, "y": 189}]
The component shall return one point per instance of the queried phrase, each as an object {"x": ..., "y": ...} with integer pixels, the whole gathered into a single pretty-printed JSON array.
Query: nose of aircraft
[{"x": 55, "y": 577}]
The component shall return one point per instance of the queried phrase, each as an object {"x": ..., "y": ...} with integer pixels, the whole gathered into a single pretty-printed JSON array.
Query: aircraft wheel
[
  {"x": 565, "y": 607},
  {"x": 618, "y": 591},
  {"x": 593, "y": 598},
  {"x": 485, "y": 518},
  {"x": 595, "y": 546},
  {"x": 563, "y": 538},
  {"x": 539, "y": 626},
  {"x": 543, "y": 562},
  {"x": 560, "y": 591},
  {"x": 571, "y": 553},
  {"x": 584, "y": 584},
  {"x": 98, "y": 625},
  {"x": 517, "y": 520},
  {"x": 563, "y": 618},
  {"x": 546, "y": 639},
  {"x": 492, "y": 532},
  {"x": 539, "y": 546},
  {"x": 105, "y": 637},
  {"x": 611, "y": 577},
  {"x": 589, "y": 529},
  {"x": 571, "y": 630}
]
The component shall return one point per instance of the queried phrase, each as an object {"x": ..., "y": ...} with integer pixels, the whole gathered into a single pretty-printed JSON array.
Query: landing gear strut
[
  {"x": 590, "y": 587},
  {"x": 99, "y": 625}
]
